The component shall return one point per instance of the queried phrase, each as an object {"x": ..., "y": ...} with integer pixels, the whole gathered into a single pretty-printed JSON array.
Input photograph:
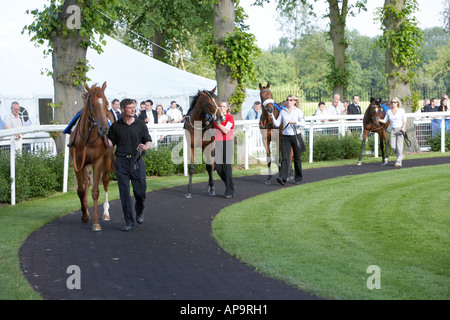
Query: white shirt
[
  {"x": 174, "y": 114},
  {"x": 334, "y": 111},
  {"x": 320, "y": 113},
  {"x": 162, "y": 118},
  {"x": 397, "y": 120},
  {"x": 12, "y": 122},
  {"x": 285, "y": 117}
]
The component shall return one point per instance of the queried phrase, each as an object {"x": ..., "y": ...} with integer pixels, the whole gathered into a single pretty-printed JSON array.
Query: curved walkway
[{"x": 171, "y": 256}]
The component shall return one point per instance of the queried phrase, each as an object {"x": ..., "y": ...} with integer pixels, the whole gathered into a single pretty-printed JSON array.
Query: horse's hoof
[
  {"x": 383, "y": 163},
  {"x": 96, "y": 227},
  {"x": 268, "y": 181},
  {"x": 106, "y": 217},
  {"x": 84, "y": 220},
  {"x": 212, "y": 193},
  {"x": 359, "y": 163},
  {"x": 188, "y": 196}
]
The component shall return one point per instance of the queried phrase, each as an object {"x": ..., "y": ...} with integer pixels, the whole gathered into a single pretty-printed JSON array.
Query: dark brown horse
[
  {"x": 371, "y": 123},
  {"x": 268, "y": 131},
  {"x": 91, "y": 147},
  {"x": 203, "y": 110}
]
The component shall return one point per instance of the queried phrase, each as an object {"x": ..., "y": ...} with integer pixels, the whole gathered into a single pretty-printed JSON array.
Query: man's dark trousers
[{"x": 126, "y": 171}]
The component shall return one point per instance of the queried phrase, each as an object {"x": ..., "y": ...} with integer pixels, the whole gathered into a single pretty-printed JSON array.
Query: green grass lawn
[
  {"x": 18, "y": 221},
  {"x": 322, "y": 237}
]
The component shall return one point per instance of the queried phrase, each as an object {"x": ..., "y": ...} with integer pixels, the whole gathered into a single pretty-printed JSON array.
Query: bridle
[
  {"x": 267, "y": 101},
  {"x": 264, "y": 103},
  {"x": 92, "y": 124},
  {"x": 374, "y": 117},
  {"x": 91, "y": 119},
  {"x": 205, "y": 109}
]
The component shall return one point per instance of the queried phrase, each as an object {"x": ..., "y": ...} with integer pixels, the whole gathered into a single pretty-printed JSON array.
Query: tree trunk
[
  {"x": 398, "y": 85},
  {"x": 67, "y": 55},
  {"x": 224, "y": 17},
  {"x": 337, "y": 33}
]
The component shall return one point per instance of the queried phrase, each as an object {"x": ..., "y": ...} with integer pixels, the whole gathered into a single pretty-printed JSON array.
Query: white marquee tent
[{"x": 128, "y": 72}]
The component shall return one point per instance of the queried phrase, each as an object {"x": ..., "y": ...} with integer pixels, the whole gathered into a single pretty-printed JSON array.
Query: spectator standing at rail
[
  {"x": 354, "y": 107},
  {"x": 255, "y": 112}
]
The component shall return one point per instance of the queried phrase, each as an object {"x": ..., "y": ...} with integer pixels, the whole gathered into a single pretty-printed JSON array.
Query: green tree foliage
[{"x": 366, "y": 61}]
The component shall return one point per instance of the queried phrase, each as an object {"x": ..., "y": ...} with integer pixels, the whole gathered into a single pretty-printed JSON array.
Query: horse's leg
[
  {"x": 82, "y": 191},
  {"x": 190, "y": 171},
  {"x": 363, "y": 144},
  {"x": 105, "y": 178},
  {"x": 210, "y": 169},
  {"x": 381, "y": 136},
  {"x": 97, "y": 166},
  {"x": 266, "y": 138},
  {"x": 211, "y": 189}
]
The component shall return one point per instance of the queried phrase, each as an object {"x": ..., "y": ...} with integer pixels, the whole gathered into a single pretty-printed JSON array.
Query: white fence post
[
  {"x": 311, "y": 141},
  {"x": 12, "y": 149},
  {"x": 443, "y": 134},
  {"x": 185, "y": 155},
  {"x": 66, "y": 164}
]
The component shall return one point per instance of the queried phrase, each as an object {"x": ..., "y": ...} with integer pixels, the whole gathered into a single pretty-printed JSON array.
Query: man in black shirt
[
  {"x": 432, "y": 107},
  {"x": 130, "y": 136}
]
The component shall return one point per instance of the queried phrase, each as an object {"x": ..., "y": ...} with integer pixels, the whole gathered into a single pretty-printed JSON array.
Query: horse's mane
[{"x": 194, "y": 101}]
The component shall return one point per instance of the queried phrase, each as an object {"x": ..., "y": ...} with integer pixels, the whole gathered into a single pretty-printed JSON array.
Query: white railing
[{"x": 252, "y": 143}]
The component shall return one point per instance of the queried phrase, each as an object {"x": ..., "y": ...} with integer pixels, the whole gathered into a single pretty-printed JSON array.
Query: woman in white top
[
  {"x": 291, "y": 118},
  {"x": 396, "y": 114}
]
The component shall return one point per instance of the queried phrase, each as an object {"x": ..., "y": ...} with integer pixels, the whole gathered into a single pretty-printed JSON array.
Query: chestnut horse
[
  {"x": 203, "y": 110},
  {"x": 92, "y": 147},
  {"x": 371, "y": 123},
  {"x": 266, "y": 126}
]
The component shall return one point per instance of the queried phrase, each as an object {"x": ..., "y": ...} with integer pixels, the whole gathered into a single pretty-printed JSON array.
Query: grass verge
[{"x": 321, "y": 237}]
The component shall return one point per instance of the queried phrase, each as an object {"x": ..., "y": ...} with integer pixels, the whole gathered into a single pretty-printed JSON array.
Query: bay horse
[
  {"x": 203, "y": 110},
  {"x": 91, "y": 147},
  {"x": 371, "y": 123},
  {"x": 266, "y": 126}
]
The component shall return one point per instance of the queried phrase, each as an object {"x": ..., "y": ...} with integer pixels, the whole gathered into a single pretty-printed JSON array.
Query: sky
[{"x": 264, "y": 22}]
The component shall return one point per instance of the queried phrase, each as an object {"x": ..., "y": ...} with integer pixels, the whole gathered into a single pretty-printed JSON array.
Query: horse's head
[
  {"x": 211, "y": 105},
  {"x": 375, "y": 112},
  {"x": 96, "y": 106},
  {"x": 266, "y": 97}
]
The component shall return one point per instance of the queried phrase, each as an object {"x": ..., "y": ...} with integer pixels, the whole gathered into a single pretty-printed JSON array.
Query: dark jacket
[
  {"x": 143, "y": 115},
  {"x": 353, "y": 109}
]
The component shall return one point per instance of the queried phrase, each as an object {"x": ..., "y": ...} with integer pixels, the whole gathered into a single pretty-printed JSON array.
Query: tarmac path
[{"x": 171, "y": 256}]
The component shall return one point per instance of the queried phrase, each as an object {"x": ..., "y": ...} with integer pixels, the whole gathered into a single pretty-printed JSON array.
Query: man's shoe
[
  {"x": 297, "y": 182},
  {"x": 281, "y": 181},
  {"x": 128, "y": 227},
  {"x": 140, "y": 218}
]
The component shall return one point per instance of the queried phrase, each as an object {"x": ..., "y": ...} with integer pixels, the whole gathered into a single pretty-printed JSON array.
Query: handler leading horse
[
  {"x": 268, "y": 131},
  {"x": 203, "y": 110},
  {"x": 371, "y": 123},
  {"x": 90, "y": 146}
]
